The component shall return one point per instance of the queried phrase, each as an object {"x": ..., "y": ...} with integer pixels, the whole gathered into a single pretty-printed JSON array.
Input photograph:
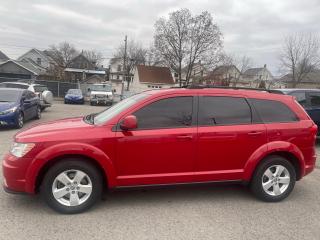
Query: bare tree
[
  {"x": 62, "y": 54},
  {"x": 153, "y": 58},
  {"x": 136, "y": 55},
  {"x": 93, "y": 56},
  {"x": 184, "y": 39},
  {"x": 300, "y": 55}
]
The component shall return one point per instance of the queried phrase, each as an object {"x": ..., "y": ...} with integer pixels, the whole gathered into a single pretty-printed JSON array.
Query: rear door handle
[
  {"x": 186, "y": 137},
  {"x": 254, "y": 133}
]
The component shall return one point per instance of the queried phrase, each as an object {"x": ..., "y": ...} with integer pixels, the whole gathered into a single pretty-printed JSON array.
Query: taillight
[{"x": 314, "y": 130}]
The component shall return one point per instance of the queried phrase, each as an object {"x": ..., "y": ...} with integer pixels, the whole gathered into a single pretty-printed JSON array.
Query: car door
[
  {"x": 34, "y": 104},
  {"x": 162, "y": 149},
  {"x": 227, "y": 137},
  {"x": 28, "y": 105}
]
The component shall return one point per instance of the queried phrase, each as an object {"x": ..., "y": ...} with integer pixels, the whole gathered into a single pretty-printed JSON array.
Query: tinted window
[
  {"x": 166, "y": 113},
  {"x": 314, "y": 99},
  {"x": 223, "y": 111},
  {"x": 300, "y": 97},
  {"x": 273, "y": 111}
]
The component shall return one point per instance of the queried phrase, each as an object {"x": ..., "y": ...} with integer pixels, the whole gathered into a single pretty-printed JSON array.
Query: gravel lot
[{"x": 202, "y": 212}]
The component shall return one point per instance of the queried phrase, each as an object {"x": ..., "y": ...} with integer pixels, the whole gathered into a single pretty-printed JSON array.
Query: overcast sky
[{"x": 252, "y": 27}]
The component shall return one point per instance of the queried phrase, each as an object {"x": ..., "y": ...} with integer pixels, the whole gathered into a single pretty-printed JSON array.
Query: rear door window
[
  {"x": 215, "y": 110},
  {"x": 273, "y": 111},
  {"x": 314, "y": 99}
]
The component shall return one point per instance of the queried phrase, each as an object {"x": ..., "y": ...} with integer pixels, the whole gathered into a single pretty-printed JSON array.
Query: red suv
[{"x": 162, "y": 137}]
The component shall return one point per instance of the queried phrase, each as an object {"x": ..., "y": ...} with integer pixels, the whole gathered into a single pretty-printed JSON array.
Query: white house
[
  {"x": 255, "y": 76},
  {"x": 151, "y": 77},
  {"x": 116, "y": 74}
]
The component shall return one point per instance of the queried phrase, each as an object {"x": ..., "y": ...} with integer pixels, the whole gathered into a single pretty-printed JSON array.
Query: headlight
[
  {"x": 11, "y": 110},
  {"x": 21, "y": 149}
]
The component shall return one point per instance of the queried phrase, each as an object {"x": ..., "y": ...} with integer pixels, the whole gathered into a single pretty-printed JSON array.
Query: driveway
[{"x": 202, "y": 212}]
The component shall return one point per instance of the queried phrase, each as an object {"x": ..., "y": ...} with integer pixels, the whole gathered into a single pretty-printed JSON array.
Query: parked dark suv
[
  {"x": 163, "y": 137},
  {"x": 309, "y": 99}
]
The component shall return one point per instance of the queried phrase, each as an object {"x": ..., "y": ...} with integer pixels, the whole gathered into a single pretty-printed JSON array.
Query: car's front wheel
[
  {"x": 72, "y": 186},
  {"x": 274, "y": 179},
  {"x": 20, "y": 120}
]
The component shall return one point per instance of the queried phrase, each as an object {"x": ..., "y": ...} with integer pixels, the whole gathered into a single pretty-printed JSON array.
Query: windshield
[
  {"x": 40, "y": 88},
  {"x": 74, "y": 91},
  {"x": 9, "y": 96},
  {"x": 118, "y": 108},
  {"x": 104, "y": 88}
]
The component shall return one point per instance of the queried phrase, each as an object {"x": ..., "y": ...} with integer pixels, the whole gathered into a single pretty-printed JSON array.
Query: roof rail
[{"x": 235, "y": 88}]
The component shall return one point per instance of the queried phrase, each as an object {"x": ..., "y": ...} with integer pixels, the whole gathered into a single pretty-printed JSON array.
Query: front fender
[
  {"x": 269, "y": 149},
  {"x": 69, "y": 148}
]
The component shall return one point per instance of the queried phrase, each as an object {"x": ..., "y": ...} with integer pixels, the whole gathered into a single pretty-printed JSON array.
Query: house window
[
  {"x": 39, "y": 61},
  {"x": 119, "y": 68},
  {"x": 117, "y": 77}
]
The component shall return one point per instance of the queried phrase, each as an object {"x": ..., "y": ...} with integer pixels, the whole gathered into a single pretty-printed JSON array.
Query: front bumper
[
  {"x": 74, "y": 100},
  {"x": 8, "y": 119},
  {"x": 101, "y": 100},
  {"x": 14, "y": 173}
]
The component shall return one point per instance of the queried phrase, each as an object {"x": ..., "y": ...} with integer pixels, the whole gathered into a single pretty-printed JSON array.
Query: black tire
[
  {"x": 38, "y": 116},
  {"x": 71, "y": 164},
  {"x": 20, "y": 120},
  {"x": 258, "y": 179}
]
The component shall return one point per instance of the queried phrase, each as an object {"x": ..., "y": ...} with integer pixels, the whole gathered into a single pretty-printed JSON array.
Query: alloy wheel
[
  {"x": 20, "y": 120},
  {"x": 276, "y": 180},
  {"x": 72, "y": 188}
]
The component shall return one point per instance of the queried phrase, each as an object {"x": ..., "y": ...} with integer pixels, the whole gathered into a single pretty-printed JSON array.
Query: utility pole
[{"x": 124, "y": 65}]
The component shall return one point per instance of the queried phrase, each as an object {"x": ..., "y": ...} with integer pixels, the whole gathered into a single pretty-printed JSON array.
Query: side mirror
[
  {"x": 128, "y": 123},
  {"x": 114, "y": 90}
]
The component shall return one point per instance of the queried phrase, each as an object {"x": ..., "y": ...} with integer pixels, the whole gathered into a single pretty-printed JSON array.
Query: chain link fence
[{"x": 58, "y": 89}]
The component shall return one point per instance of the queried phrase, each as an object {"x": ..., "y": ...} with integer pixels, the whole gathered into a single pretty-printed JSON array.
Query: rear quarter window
[{"x": 271, "y": 111}]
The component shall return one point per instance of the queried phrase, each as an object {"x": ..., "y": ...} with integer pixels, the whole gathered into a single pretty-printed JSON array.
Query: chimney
[{"x": 265, "y": 66}]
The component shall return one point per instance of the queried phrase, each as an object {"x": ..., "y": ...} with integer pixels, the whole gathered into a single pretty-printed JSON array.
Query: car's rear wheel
[
  {"x": 20, "y": 120},
  {"x": 274, "y": 179},
  {"x": 72, "y": 186}
]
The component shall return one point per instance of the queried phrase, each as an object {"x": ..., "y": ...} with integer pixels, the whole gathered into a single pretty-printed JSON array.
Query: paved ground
[{"x": 205, "y": 212}]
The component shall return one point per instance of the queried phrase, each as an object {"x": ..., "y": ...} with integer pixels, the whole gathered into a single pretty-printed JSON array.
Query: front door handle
[
  {"x": 186, "y": 137},
  {"x": 254, "y": 133}
]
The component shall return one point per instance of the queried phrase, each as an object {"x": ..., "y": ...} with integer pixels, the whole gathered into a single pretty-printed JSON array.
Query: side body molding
[
  {"x": 70, "y": 148},
  {"x": 269, "y": 149}
]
